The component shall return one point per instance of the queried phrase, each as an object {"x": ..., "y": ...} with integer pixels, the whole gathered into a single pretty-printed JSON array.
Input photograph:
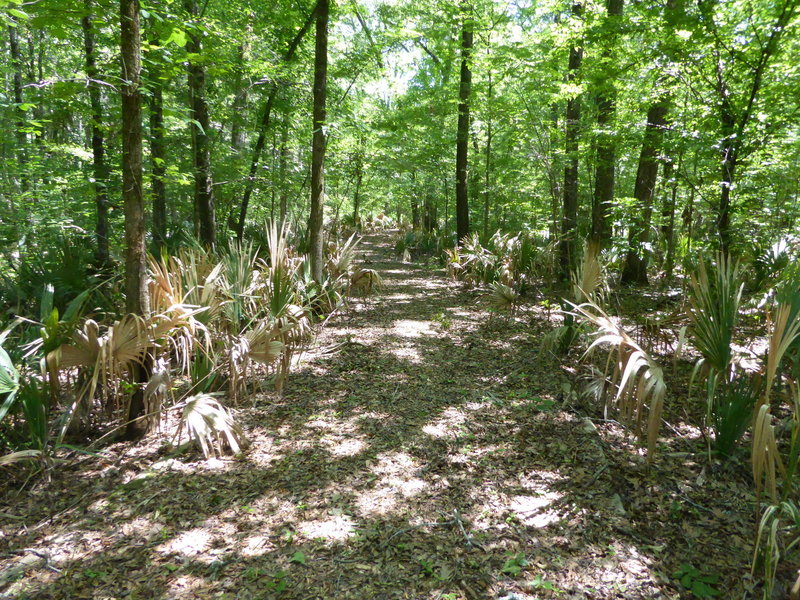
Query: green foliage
[{"x": 700, "y": 585}]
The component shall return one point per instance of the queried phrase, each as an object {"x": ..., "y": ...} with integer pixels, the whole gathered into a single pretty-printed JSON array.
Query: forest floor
[{"x": 422, "y": 449}]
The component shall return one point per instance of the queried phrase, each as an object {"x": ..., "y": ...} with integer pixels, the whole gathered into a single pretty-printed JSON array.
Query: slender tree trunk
[
  {"x": 462, "y": 135},
  {"x": 264, "y": 124},
  {"x": 22, "y": 137},
  {"x": 137, "y": 300},
  {"x": 158, "y": 157},
  {"x": 569, "y": 224},
  {"x": 99, "y": 168},
  {"x": 240, "y": 91},
  {"x": 605, "y": 174},
  {"x": 201, "y": 151},
  {"x": 488, "y": 167},
  {"x": 283, "y": 163},
  {"x": 359, "y": 178},
  {"x": 318, "y": 140},
  {"x": 668, "y": 218},
  {"x": 636, "y": 260},
  {"x": 552, "y": 174}
]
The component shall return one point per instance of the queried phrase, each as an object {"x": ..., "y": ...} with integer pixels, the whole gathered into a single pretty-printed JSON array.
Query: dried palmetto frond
[
  {"x": 587, "y": 278},
  {"x": 365, "y": 281},
  {"x": 208, "y": 423},
  {"x": 341, "y": 258},
  {"x": 639, "y": 380},
  {"x": 765, "y": 457}
]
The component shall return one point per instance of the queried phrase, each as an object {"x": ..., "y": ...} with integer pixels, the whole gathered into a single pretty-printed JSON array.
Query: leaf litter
[{"x": 421, "y": 450}]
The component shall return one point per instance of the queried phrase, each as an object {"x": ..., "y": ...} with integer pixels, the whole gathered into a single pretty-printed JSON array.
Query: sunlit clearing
[{"x": 336, "y": 529}]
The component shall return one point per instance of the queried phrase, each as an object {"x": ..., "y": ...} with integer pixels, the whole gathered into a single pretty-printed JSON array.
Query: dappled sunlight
[
  {"x": 446, "y": 425},
  {"x": 337, "y": 528},
  {"x": 533, "y": 510},
  {"x": 408, "y": 328},
  {"x": 412, "y": 355},
  {"x": 189, "y": 543},
  {"x": 397, "y": 480}
]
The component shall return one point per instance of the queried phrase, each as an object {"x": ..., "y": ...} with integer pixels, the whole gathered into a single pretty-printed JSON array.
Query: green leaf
[
  {"x": 178, "y": 37},
  {"x": 298, "y": 557},
  {"x": 703, "y": 590}
]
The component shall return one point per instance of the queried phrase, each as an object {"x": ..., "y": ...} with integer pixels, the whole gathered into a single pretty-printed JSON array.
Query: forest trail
[{"x": 420, "y": 450}]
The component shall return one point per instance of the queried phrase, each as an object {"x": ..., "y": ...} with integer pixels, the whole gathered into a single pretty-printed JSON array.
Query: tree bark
[
  {"x": 362, "y": 140},
  {"x": 488, "y": 165},
  {"x": 636, "y": 260},
  {"x": 201, "y": 151},
  {"x": 238, "y": 136},
  {"x": 606, "y": 101},
  {"x": 462, "y": 135},
  {"x": 158, "y": 158},
  {"x": 99, "y": 168},
  {"x": 569, "y": 223},
  {"x": 19, "y": 126},
  {"x": 137, "y": 300},
  {"x": 318, "y": 140},
  {"x": 264, "y": 124},
  {"x": 283, "y": 163}
]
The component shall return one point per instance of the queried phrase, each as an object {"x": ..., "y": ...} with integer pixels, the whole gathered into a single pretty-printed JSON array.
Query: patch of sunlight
[
  {"x": 184, "y": 586},
  {"x": 344, "y": 447},
  {"x": 397, "y": 297},
  {"x": 533, "y": 510},
  {"x": 336, "y": 529},
  {"x": 142, "y": 527},
  {"x": 189, "y": 543},
  {"x": 256, "y": 545},
  {"x": 412, "y": 355},
  {"x": 410, "y": 328},
  {"x": 396, "y": 480},
  {"x": 447, "y": 424}
]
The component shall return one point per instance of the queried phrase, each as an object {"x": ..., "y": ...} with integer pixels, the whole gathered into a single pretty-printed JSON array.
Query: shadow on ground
[{"x": 424, "y": 451}]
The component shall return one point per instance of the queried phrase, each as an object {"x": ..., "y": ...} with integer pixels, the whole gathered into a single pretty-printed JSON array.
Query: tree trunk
[
  {"x": 240, "y": 91},
  {"x": 462, "y": 135},
  {"x": 635, "y": 270},
  {"x": 668, "y": 218},
  {"x": 283, "y": 163},
  {"x": 99, "y": 168},
  {"x": 569, "y": 223},
  {"x": 158, "y": 157},
  {"x": 201, "y": 153},
  {"x": 264, "y": 124},
  {"x": 22, "y": 137},
  {"x": 137, "y": 300},
  {"x": 359, "y": 179},
  {"x": 488, "y": 166},
  {"x": 318, "y": 140},
  {"x": 606, "y": 100}
]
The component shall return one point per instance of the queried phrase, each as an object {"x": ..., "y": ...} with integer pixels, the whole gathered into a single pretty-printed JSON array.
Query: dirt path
[{"x": 422, "y": 450}]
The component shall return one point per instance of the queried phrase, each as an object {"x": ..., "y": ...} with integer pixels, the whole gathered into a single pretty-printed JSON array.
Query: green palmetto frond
[
  {"x": 209, "y": 424},
  {"x": 639, "y": 380},
  {"x": 714, "y": 312},
  {"x": 503, "y": 297}
]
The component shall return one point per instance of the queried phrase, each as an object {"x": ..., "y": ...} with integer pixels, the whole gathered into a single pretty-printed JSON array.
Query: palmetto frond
[
  {"x": 209, "y": 424},
  {"x": 639, "y": 379},
  {"x": 503, "y": 297}
]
